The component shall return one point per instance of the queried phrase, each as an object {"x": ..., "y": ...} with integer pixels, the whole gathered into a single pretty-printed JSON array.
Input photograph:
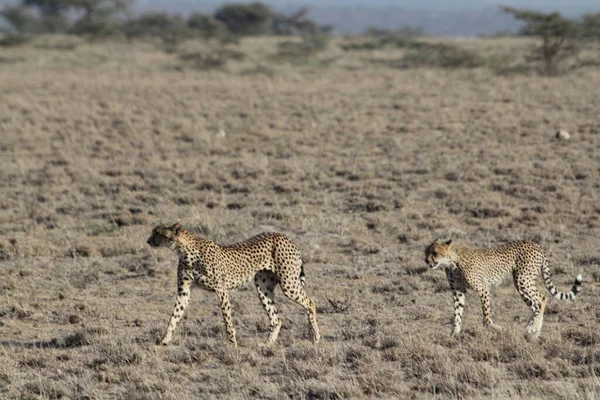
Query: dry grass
[{"x": 361, "y": 164}]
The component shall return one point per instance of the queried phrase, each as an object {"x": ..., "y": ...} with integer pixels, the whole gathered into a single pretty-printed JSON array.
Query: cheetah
[
  {"x": 268, "y": 258},
  {"x": 478, "y": 269}
]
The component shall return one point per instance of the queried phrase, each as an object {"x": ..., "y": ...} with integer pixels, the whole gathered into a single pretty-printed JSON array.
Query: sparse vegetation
[
  {"x": 308, "y": 45},
  {"x": 362, "y": 165}
]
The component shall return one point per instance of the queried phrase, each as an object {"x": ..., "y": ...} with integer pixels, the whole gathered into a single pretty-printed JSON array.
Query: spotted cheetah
[
  {"x": 269, "y": 258},
  {"x": 478, "y": 269}
]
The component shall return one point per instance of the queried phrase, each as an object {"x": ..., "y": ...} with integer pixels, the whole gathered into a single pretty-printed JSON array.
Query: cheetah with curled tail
[
  {"x": 269, "y": 258},
  {"x": 478, "y": 269}
]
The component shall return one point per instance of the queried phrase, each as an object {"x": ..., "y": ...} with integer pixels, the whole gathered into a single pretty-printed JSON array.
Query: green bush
[
  {"x": 589, "y": 27},
  {"x": 439, "y": 55},
  {"x": 14, "y": 39},
  {"x": 211, "y": 59},
  {"x": 171, "y": 29},
  {"x": 376, "y": 38},
  {"x": 206, "y": 26},
  {"x": 309, "y": 44},
  {"x": 245, "y": 19}
]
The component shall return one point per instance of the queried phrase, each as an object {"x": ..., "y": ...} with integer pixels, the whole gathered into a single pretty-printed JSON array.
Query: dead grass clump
[
  {"x": 481, "y": 376},
  {"x": 317, "y": 389},
  {"x": 82, "y": 337},
  {"x": 7, "y": 284},
  {"x": 381, "y": 342},
  {"x": 436, "y": 55},
  {"x": 36, "y": 361},
  {"x": 357, "y": 357},
  {"x": 82, "y": 281},
  {"x": 528, "y": 370},
  {"x": 115, "y": 354},
  {"x": 421, "y": 359},
  {"x": 485, "y": 212},
  {"x": 14, "y": 39},
  {"x": 189, "y": 354},
  {"x": 100, "y": 227},
  {"x": 7, "y": 250},
  {"x": 16, "y": 311},
  {"x": 212, "y": 59},
  {"x": 582, "y": 338},
  {"x": 307, "y": 46},
  {"x": 339, "y": 306},
  {"x": 45, "y": 388}
]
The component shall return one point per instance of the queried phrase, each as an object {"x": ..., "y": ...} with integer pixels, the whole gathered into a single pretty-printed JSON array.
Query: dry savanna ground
[{"x": 361, "y": 162}]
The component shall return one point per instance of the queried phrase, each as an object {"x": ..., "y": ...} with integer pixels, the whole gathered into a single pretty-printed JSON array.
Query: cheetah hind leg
[
  {"x": 534, "y": 325},
  {"x": 265, "y": 282},
  {"x": 536, "y": 302},
  {"x": 294, "y": 291}
]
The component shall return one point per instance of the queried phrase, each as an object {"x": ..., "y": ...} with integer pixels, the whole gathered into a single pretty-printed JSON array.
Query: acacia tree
[
  {"x": 556, "y": 33},
  {"x": 98, "y": 17},
  {"x": 92, "y": 16},
  {"x": 245, "y": 19},
  {"x": 589, "y": 27}
]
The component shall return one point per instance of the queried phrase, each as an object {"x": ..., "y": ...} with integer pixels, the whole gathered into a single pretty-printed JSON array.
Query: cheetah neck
[
  {"x": 187, "y": 242},
  {"x": 459, "y": 256}
]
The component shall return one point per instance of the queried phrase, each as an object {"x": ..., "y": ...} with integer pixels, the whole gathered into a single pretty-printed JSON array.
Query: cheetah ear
[
  {"x": 449, "y": 242},
  {"x": 176, "y": 228}
]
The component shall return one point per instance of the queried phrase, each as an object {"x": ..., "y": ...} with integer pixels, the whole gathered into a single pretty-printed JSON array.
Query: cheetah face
[
  {"x": 438, "y": 253},
  {"x": 164, "y": 235}
]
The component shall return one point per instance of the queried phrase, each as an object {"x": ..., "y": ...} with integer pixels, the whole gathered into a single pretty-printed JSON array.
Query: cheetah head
[
  {"x": 164, "y": 235},
  {"x": 438, "y": 253}
]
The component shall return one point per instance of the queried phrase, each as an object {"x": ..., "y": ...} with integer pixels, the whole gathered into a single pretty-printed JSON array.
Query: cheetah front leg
[
  {"x": 183, "y": 298},
  {"x": 484, "y": 294},
  {"x": 226, "y": 310},
  {"x": 459, "y": 290}
]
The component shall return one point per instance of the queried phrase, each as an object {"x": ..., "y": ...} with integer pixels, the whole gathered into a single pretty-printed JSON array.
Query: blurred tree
[
  {"x": 297, "y": 24},
  {"x": 19, "y": 17},
  {"x": 555, "y": 32},
  {"x": 206, "y": 26},
  {"x": 98, "y": 17},
  {"x": 91, "y": 16},
  {"x": 171, "y": 29},
  {"x": 245, "y": 19},
  {"x": 589, "y": 27}
]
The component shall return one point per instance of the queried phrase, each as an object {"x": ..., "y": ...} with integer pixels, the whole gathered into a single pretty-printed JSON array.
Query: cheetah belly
[
  {"x": 245, "y": 280},
  {"x": 497, "y": 280}
]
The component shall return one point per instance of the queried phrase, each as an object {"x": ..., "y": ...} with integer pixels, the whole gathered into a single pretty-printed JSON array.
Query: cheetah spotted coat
[
  {"x": 269, "y": 258},
  {"x": 479, "y": 269}
]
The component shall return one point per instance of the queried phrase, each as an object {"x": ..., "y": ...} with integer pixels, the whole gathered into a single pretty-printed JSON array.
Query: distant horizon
[{"x": 458, "y": 18}]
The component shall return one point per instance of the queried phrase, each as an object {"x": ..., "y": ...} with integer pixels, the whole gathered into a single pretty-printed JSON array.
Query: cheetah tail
[
  {"x": 302, "y": 275},
  {"x": 555, "y": 292}
]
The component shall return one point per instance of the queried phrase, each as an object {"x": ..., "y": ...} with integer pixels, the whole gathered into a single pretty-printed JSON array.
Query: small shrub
[
  {"x": 440, "y": 55},
  {"x": 213, "y": 59},
  {"x": 206, "y": 26},
  {"x": 117, "y": 354},
  {"x": 399, "y": 38},
  {"x": 309, "y": 45},
  {"x": 14, "y": 39},
  {"x": 340, "y": 306},
  {"x": 245, "y": 19},
  {"x": 62, "y": 43},
  {"x": 260, "y": 69}
]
